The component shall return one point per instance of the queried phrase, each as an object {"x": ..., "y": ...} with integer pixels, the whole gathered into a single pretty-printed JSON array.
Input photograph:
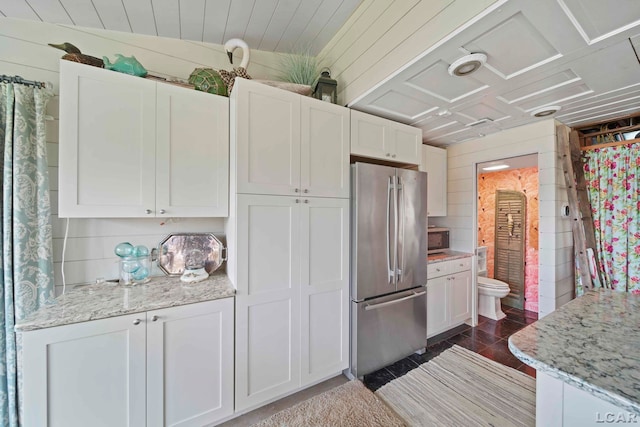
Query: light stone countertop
[
  {"x": 591, "y": 343},
  {"x": 447, "y": 255},
  {"x": 99, "y": 301}
]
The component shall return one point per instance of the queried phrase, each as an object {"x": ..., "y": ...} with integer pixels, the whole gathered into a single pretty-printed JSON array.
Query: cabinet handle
[
  {"x": 162, "y": 212},
  {"x": 148, "y": 211},
  {"x": 306, "y": 190},
  {"x": 137, "y": 321},
  {"x": 154, "y": 318},
  {"x": 393, "y": 155},
  {"x": 297, "y": 190}
]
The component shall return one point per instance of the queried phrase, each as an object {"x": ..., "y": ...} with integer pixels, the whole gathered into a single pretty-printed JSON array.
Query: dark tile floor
[{"x": 489, "y": 339}]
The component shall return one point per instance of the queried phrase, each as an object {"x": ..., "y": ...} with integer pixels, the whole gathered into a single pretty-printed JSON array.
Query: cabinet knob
[
  {"x": 306, "y": 190},
  {"x": 306, "y": 200},
  {"x": 148, "y": 211},
  {"x": 137, "y": 321},
  {"x": 461, "y": 265},
  {"x": 437, "y": 269},
  {"x": 393, "y": 155},
  {"x": 297, "y": 200},
  {"x": 388, "y": 154},
  {"x": 297, "y": 190},
  {"x": 162, "y": 212},
  {"x": 154, "y": 318}
]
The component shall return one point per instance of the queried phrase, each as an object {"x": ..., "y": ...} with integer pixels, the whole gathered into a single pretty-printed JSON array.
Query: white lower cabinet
[
  {"x": 169, "y": 367},
  {"x": 449, "y": 298},
  {"x": 292, "y": 294}
]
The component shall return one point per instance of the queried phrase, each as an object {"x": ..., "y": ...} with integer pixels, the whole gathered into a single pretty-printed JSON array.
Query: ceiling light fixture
[
  {"x": 545, "y": 111},
  {"x": 467, "y": 64},
  {"x": 495, "y": 167}
]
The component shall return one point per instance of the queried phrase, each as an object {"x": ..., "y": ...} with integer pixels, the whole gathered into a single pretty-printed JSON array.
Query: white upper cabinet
[
  {"x": 192, "y": 153},
  {"x": 384, "y": 139},
  {"x": 288, "y": 144},
  {"x": 434, "y": 162},
  {"x": 131, "y": 147},
  {"x": 324, "y": 150}
]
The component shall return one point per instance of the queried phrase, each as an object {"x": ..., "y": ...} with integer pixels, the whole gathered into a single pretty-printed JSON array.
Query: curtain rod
[
  {"x": 20, "y": 80},
  {"x": 609, "y": 144}
]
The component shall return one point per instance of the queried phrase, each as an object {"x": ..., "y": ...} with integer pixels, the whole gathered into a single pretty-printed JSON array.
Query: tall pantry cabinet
[{"x": 288, "y": 234}]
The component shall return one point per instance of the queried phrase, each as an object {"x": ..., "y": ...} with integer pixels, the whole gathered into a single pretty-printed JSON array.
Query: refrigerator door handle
[
  {"x": 395, "y": 231},
  {"x": 395, "y": 301},
  {"x": 400, "y": 250},
  {"x": 390, "y": 271}
]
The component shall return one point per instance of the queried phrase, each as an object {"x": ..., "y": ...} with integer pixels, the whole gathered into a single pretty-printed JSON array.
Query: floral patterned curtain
[
  {"x": 613, "y": 185},
  {"x": 27, "y": 268}
]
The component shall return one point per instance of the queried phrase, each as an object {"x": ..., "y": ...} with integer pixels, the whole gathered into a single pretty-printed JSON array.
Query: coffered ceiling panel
[
  {"x": 405, "y": 106},
  {"x": 536, "y": 57},
  {"x": 480, "y": 111},
  {"x": 435, "y": 81},
  {"x": 539, "y": 87},
  {"x": 555, "y": 97},
  {"x": 597, "y": 19},
  {"x": 515, "y": 46}
]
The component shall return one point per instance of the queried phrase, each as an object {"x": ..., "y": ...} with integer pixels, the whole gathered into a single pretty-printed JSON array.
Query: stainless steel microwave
[{"x": 438, "y": 239}]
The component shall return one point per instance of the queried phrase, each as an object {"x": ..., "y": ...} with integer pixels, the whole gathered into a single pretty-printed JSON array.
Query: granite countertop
[
  {"x": 592, "y": 343},
  {"x": 99, "y": 301},
  {"x": 447, "y": 255}
]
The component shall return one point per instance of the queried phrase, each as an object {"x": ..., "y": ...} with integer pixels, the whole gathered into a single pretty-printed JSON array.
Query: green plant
[{"x": 300, "y": 67}]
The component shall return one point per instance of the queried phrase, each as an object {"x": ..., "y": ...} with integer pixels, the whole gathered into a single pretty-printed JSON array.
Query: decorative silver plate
[{"x": 173, "y": 249}]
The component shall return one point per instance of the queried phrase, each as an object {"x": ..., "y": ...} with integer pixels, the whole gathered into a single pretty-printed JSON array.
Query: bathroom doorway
[{"x": 507, "y": 200}]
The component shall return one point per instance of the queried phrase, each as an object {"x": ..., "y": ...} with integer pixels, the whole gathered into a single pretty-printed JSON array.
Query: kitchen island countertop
[
  {"x": 447, "y": 255},
  {"x": 99, "y": 301},
  {"x": 591, "y": 343}
]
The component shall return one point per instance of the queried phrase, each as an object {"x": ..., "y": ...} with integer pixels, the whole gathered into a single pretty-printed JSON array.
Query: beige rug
[
  {"x": 350, "y": 404},
  {"x": 462, "y": 388}
]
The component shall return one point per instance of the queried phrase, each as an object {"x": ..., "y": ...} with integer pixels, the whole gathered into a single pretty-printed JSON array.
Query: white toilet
[{"x": 490, "y": 291}]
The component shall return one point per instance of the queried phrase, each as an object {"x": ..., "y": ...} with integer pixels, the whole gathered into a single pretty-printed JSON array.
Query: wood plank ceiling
[
  {"x": 575, "y": 54},
  {"x": 270, "y": 25}
]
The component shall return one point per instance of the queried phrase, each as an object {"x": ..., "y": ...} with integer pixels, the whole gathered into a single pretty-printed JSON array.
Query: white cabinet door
[
  {"x": 437, "y": 305},
  {"x": 368, "y": 136},
  {"x": 434, "y": 162},
  {"x": 267, "y": 298},
  {"x": 190, "y": 364},
  {"x": 267, "y": 132},
  {"x": 460, "y": 297},
  {"x": 324, "y": 149},
  {"x": 408, "y": 141},
  {"x": 192, "y": 153},
  {"x": 86, "y": 374},
  {"x": 384, "y": 139},
  {"x": 107, "y": 143},
  {"x": 324, "y": 254}
]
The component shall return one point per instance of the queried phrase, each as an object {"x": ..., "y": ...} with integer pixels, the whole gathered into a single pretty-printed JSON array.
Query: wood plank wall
[
  {"x": 556, "y": 272},
  {"x": 382, "y": 36},
  {"x": 24, "y": 52}
]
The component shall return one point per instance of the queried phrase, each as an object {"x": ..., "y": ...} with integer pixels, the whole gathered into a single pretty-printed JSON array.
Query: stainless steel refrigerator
[{"x": 388, "y": 265}]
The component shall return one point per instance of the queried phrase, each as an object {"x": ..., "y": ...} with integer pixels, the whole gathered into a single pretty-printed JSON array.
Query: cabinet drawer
[
  {"x": 458, "y": 265},
  {"x": 438, "y": 269}
]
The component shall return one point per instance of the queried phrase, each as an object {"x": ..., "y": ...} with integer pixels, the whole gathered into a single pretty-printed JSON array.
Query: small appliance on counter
[
  {"x": 438, "y": 240},
  {"x": 193, "y": 256}
]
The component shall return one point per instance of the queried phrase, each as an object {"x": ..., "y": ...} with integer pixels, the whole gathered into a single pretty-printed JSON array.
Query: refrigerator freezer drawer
[{"x": 387, "y": 329}]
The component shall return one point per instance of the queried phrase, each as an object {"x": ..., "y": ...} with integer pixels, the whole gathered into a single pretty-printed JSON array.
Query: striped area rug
[{"x": 462, "y": 388}]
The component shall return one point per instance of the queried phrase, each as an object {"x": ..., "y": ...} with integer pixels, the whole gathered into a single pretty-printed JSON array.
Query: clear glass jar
[{"x": 134, "y": 270}]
